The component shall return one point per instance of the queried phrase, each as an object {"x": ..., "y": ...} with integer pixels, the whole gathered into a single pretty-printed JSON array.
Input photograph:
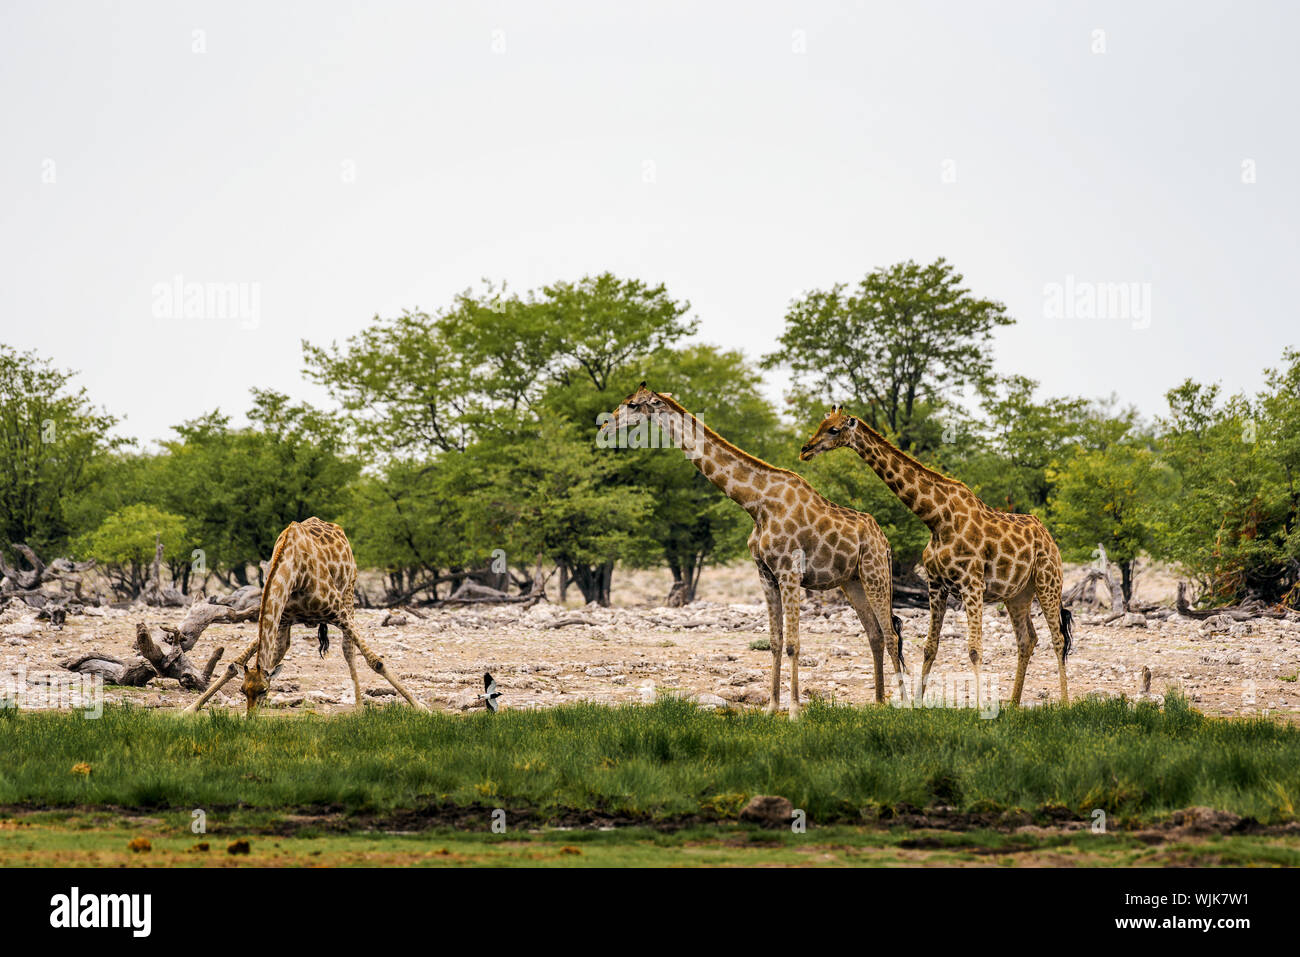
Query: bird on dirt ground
[{"x": 490, "y": 693}]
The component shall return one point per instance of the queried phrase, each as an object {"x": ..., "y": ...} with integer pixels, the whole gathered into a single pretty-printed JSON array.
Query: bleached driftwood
[
  {"x": 241, "y": 605},
  {"x": 160, "y": 656},
  {"x": 29, "y": 584},
  {"x": 1251, "y": 608}
]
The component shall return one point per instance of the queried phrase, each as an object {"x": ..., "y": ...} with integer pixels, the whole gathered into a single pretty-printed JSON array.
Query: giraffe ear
[{"x": 853, "y": 423}]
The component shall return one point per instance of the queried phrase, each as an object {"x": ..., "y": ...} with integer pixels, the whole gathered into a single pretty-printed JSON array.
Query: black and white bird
[{"x": 490, "y": 693}]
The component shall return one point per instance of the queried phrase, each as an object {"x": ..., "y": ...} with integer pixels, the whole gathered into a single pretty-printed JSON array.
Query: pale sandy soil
[{"x": 637, "y": 650}]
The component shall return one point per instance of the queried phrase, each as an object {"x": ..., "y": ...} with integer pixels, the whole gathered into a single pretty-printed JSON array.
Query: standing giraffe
[
  {"x": 975, "y": 552},
  {"x": 310, "y": 581},
  {"x": 800, "y": 540}
]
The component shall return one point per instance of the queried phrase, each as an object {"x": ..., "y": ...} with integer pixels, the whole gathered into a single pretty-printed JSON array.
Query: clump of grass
[
  {"x": 760, "y": 644},
  {"x": 668, "y": 759}
]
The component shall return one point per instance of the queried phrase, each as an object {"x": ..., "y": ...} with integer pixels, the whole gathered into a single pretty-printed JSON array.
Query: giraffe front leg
[
  {"x": 938, "y": 608},
  {"x": 232, "y": 669},
  {"x": 350, "y": 656},
  {"x": 972, "y": 596},
  {"x": 377, "y": 664},
  {"x": 790, "y": 587},
  {"x": 775, "y": 637},
  {"x": 1025, "y": 641}
]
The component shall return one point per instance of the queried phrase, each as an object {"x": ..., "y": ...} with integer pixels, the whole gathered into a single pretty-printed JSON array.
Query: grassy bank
[
  {"x": 1138, "y": 763},
  {"x": 98, "y": 839}
]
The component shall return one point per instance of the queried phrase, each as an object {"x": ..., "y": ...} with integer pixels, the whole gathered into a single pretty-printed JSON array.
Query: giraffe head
[
  {"x": 834, "y": 431},
  {"x": 635, "y": 409},
  {"x": 256, "y": 684}
]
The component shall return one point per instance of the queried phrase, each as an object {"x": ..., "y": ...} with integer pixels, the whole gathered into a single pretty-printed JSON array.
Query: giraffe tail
[
  {"x": 323, "y": 639},
  {"x": 898, "y": 633},
  {"x": 1067, "y": 630}
]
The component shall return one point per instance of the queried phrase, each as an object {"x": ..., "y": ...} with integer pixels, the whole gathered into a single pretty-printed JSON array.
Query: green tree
[
  {"x": 906, "y": 334},
  {"x": 1232, "y": 523},
  {"x": 1107, "y": 497},
  {"x": 125, "y": 543},
  {"x": 50, "y": 435},
  {"x": 517, "y": 359},
  {"x": 1009, "y": 454},
  {"x": 238, "y": 488},
  {"x": 545, "y": 491}
]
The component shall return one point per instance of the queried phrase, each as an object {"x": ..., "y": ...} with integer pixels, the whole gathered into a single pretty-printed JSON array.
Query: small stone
[
  {"x": 709, "y": 701},
  {"x": 769, "y": 810}
]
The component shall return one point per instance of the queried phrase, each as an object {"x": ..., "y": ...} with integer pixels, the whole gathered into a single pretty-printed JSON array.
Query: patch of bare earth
[{"x": 553, "y": 654}]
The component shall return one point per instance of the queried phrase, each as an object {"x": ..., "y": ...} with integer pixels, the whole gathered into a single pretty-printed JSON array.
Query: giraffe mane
[{"x": 714, "y": 436}]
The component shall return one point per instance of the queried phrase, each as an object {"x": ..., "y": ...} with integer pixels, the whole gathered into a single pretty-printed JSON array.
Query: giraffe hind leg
[
  {"x": 349, "y": 655},
  {"x": 377, "y": 664},
  {"x": 1059, "y": 622},
  {"x": 323, "y": 639}
]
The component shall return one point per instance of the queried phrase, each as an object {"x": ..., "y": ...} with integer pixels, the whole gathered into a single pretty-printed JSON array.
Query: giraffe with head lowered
[
  {"x": 311, "y": 580},
  {"x": 976, "y": 553},
  {"x": 800, "y": 540}
]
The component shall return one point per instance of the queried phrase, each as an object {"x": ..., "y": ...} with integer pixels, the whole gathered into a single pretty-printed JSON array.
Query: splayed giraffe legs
[
  {"x": 232, "y": 670},
  {"x": 376, "y": 663},
  {"x": 350, "y": 656}
]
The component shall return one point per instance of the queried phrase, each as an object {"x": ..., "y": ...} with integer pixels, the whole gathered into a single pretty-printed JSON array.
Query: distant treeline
[{"x": 465, "y": 439}]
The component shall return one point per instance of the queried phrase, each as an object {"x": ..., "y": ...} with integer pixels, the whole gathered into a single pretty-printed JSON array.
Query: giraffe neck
[
  {"x": 924, "y": 492},
  {"x": 726, "y": 466}
]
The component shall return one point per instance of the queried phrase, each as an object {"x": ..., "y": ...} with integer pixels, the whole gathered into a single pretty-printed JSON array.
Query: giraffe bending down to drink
[
  {"x": 800, "y": 540},
  {"x": 976, "y": 553},
  {"x": 311, "y": 580}
]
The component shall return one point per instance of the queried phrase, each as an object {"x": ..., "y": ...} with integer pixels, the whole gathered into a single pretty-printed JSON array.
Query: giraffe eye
[{"x": 833, "y": 431}]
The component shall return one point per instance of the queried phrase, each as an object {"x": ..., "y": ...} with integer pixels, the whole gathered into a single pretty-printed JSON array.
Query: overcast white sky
[{"x": 511, "y": 140}]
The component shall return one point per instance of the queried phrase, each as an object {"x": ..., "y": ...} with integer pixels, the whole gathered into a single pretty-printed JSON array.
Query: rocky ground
[{"x": 552, "y": 654}]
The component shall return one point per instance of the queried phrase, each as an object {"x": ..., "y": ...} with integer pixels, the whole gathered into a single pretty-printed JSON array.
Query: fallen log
[
  {"x": 28, "y": 585},
  {"x": 160, "y": 656},
  {"x": 1251, "y": 608},
  {"x": 243, "y": 605}
]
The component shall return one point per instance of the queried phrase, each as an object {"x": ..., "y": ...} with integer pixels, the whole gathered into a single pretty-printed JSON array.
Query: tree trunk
[
  {"x": 1126, "y": 580},
  {"x": 594, "y": 582}
]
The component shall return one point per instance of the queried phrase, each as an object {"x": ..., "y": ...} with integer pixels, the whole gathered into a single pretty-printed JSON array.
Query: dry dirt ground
[{"x": 552, "y": 654}]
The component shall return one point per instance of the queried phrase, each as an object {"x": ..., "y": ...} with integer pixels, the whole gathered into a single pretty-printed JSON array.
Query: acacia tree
[
  {"x": 1108, "y": 497},
  {"x": 238, "y": 487},
  {"x": 124, "y": 545},
  {"x": 50, "y": 435},
  {"x": 905, "y": 335},
  {"x": 1232, "y": 523},
  {"x": 427, "y": 395}
]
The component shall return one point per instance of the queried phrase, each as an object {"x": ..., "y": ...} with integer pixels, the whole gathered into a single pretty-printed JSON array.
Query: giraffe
[
  {"x": 976, "y": 553},
  {"x": 310, "y": 581},
  {"x": 800, "y": 540}
]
